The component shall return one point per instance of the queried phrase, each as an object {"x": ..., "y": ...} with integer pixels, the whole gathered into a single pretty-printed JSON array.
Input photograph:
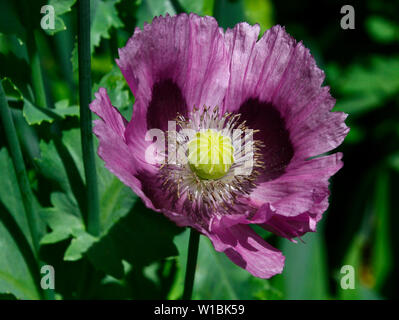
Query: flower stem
[
  {"x": 191, "y": 264},
  {"x": 84, "y": 57},
  {"x": 26, "y": 9},
  {"x": 37, "y": 75}
]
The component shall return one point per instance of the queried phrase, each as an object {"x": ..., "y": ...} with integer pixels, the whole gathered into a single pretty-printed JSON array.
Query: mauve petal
[
  {"x": 138, "y": 132},
  {"x": 187, "y": 49},
  {"x": 279, "y": 71},
  {"x": 172, "y": 65},
  {"x": 248, "y": 250},
  {"x": 293, "y": 204},
  {"x": 291, "y": 227},
  {"x": 277, "y": 150},
  {"x": 252, "y": 215},
  {"x": 112, "y": 148},
  {"x": 165, "y": 202},
  {"x": 141, "y": 177},
  {"x": 303, "y": 184},
  {"x": 102, "y": 107},
  {"x": 320, "y": 132},
  {"x": 240, "y": 42},
  {"x": 298, "y": 196}
]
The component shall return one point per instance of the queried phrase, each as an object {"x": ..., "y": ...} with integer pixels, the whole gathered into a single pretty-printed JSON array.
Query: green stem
[
  {"x": 19, "y": 165},
  {"x": 37, "y": 75},
  {"x": 84, "y": 56},
  {"x": 191, "y": 264},
  {"x": 26, "y": 9}
]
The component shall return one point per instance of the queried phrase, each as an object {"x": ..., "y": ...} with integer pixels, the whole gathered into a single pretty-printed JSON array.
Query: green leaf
[
  {"x": 216, "y": 276},
  {"x": 148, "y": 9},
  {"x": 260, "y": 12},
  {"x": 11, "y": 90},
  {"x": 359, "y": 104},
  {"x": 115, "y": 201},
  {"x": 17, "y": 264},
  {"x": 61, "y": 161},
  {"x": 15, "y": 276},
  {"x": 57, "y": 219},
  {"x": 57, "y": 164},
  {"x": 207, "y": 8},
  {"x": 10, "y": 195},
  {"x": 117, "y": 88},
  {"x": 193, "y": 6},
  {"x": 104, "y": 256},
  {"x": 10, "y": 43},
  {"x": 104, "y": 17},
  {"x": 36, "y": 115},
  {"x": 140, "y": 238},
  {"x": 79, "y": 245},
  {"x": 200, "y": 7},
  {"x": 16, "y": 67},
  {"x": 60, "y": 7},
  {"x": 9, "y": 20},
  {"x": 7, "y": 296},
  {"x": 55, "y": 236},
  {"x": 364, "y": 88},
  {"x": 229, "y": 13},
  {"x": 382, "y": 30},
  {"x": 63, "y": 219}
]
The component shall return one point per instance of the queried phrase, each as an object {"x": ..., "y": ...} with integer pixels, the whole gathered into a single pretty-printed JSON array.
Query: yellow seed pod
[{"x": 210, "y": 154}]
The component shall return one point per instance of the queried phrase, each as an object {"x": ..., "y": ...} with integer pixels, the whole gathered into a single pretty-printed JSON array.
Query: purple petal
[
  {"x": 290, "y": 227},
  {"x": 277, "y": 149},
  {"x": 241, "y": 42},
  {"x": 125, "y": 164},
  {"x": 186, "y": 50},
  {"x": 298, "y": 198},
  {"x": 279, "y": 72},
  {"x": 112, "y": 146},
  {"x": 276, "y": 86},
  {"x": 248, "y": 250},
  {"x": 303, "y": 184},
  {"x": 172, "y": 65},
  {"x": 102, "y": 107}
]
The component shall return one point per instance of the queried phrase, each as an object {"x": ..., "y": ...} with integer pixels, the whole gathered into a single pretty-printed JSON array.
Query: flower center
[
  {"x": 210, "y": 154},
  {"x": 214, "y": 165}
]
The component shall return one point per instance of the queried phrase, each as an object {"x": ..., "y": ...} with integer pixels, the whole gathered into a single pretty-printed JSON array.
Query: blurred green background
[{"x": 140, "y": 254}]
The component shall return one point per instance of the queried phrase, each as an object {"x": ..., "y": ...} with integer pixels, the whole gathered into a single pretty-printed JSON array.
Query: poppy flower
[{"x": 212, "y": 82}]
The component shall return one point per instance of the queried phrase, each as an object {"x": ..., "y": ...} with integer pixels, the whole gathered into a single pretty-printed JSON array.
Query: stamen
[{"x": 216, "y": 179}]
